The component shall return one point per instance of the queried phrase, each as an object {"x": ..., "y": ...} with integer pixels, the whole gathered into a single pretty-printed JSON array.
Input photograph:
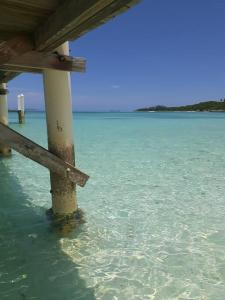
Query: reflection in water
[{"x": 32, "y": 265}]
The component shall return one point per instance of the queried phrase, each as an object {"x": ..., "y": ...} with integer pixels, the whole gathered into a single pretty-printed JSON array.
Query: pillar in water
[
  {"x": 21, "y": 114},
  {"x": 4, "y": 149},
  {"x": 58, "y": 105}
]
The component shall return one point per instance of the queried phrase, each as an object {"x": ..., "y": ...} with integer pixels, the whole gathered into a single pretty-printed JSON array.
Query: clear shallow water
[{"x": 155, "y": 210}]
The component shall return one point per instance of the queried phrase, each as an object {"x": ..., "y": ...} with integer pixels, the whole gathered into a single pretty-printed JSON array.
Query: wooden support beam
[
  {"x": 35, "y": 62},
  {"x": 74, "y": 18},
  {"x": 15, "y": 47},
  {"x": 66, "y": 21},
  {"x": 6, "y": 76},
  {"x": 6, "y": 35},
  {"x": 40, "y": 155},
  {"x": 10, "y": 72},
  {"x": 11, "y": 48}
]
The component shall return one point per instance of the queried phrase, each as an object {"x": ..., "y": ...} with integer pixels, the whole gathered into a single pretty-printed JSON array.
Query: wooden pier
[{"x": 34, "y": 38}]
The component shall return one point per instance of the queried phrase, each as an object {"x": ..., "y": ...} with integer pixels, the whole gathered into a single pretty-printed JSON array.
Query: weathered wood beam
[
  {"x": 15, "y": 47},
  {"x": 12, "y": 69},
  {"x": 35, "y": 62},
  {"x": 74, "y": 18},
  {"x": 16, "y": 55},
  {"x": 40, "y": 155},
  {"x": 11, "y": 48},
  {"x": 18, "y": 8},
  {"x": 9, "y": 34},
  {"x": 6, "y": 76}
]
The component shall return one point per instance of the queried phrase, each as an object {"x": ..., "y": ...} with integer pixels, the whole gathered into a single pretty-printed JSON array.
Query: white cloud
[{"x": 115, "y": 86}]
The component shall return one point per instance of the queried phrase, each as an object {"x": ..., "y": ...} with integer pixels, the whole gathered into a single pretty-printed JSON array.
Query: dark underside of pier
[{"x": 30, "y": 30}]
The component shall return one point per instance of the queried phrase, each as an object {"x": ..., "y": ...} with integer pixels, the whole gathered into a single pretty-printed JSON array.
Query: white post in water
[
  {"x": 20, "y": 102},
  {"x": 58, "y": 105},
  {"x": 4, "y": 149}
]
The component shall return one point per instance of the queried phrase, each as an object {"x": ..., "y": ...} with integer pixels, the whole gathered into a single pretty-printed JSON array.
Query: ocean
[{"x": 154, "y": 209}]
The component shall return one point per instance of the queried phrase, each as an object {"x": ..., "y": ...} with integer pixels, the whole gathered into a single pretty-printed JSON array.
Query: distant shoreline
[
  {"x": 207, "y": 106},
  {"x": 144, "y": 111},
  {"x": 181, "y": 111}
]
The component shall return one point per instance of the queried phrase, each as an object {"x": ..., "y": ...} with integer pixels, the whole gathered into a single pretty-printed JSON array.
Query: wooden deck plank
[{"x": 74, "y": 18}]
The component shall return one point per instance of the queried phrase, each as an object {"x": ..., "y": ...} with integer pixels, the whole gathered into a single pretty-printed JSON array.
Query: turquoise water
[{"x": 155, "y": 210}]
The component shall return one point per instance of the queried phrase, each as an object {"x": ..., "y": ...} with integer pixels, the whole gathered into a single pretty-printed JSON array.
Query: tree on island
[{"x": 202, "y": 106}]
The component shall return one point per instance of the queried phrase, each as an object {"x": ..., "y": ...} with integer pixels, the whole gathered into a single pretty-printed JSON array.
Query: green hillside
[{"x": 202, "y": 106}]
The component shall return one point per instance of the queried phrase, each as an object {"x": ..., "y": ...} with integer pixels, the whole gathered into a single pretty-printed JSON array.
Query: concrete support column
[
  {"x": 58, "y": 104},
  {"x": 4, "y": 149}
]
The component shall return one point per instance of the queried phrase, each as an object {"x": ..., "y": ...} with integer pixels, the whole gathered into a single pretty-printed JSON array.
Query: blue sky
[{"x": 158, "y": 52}]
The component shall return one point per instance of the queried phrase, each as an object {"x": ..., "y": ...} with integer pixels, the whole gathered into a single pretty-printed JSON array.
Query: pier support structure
[
  {"x": 58, "y": 105},
  {"x": 21, "y": 111},
  {"x": 4, "y": 149}
]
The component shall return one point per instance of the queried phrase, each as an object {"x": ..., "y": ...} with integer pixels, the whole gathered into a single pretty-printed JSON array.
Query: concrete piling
[
  {"x": 4, "y": 149},
  {"x": 58, "y": 105}
]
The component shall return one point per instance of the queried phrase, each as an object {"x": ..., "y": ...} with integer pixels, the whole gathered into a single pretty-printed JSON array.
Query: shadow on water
[{"x": 32, "y": 264}]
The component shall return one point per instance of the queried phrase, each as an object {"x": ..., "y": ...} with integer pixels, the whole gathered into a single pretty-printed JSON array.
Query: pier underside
[
  {"x": 35, "y": 28},
  {"x": 34, "y": 37}
]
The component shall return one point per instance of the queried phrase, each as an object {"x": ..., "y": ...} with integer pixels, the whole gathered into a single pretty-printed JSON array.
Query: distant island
[{"x": 210, "y": 106}]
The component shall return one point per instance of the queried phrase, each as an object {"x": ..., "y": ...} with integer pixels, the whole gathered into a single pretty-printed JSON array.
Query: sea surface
[{"x": 154, "y": 206}]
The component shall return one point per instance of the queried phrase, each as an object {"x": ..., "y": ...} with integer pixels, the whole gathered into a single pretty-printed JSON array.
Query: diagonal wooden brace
[{"x": 41, "y": 155}]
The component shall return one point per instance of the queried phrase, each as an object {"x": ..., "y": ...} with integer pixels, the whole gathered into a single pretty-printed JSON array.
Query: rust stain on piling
[
  {"x": 62, "y": 189},
  {"x": 65, "y": 152}
]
